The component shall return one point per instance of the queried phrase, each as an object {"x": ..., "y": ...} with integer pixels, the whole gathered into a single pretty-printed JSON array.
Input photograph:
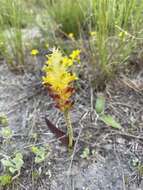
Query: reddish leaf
[{"x": 57, "y": 132}]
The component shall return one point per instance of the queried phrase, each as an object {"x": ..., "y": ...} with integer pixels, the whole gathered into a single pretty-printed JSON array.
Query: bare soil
[{"x": 115, "y": 159}]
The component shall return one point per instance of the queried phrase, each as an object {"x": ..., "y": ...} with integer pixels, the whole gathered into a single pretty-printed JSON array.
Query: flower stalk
[{"x": 69, "y": 129}]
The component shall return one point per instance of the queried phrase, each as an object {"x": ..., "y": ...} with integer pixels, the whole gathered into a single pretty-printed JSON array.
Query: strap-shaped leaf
[{"x": 110, "y": 121}]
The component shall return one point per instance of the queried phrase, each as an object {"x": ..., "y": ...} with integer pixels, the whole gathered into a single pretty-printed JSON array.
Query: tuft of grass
[
  {"x": 69, "y": 15},
  {"x": 13, "y": 18},
  {"x": 116, "y": 31}
]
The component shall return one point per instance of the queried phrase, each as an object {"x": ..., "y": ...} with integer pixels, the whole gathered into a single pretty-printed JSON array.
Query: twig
[
  {"x": 16, "y": 176},
  {"x": 127, "y": 135}
]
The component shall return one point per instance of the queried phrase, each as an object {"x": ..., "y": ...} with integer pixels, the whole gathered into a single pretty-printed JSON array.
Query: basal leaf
[{"x": 110, "y": 121}]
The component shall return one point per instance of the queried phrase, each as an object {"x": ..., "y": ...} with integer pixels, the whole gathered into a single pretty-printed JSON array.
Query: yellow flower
[
  {"x": 34, "y": 52},
  {"x": 93, "y": 33},
  {"x": 75, "y": 55},
  {"x": 71, "y": 36},
  {"x": 58, "y": 78}
]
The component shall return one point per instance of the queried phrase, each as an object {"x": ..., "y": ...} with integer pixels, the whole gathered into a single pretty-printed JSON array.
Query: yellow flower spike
[
  {"x": 34, "y": 52},
  {"x": 58, "y": 78}
]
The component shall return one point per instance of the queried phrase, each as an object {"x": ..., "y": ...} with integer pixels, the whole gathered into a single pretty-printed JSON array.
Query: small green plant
[
  {"x": 85, "y": 154},
  {"x": 107, "y": 119},
  {"x": 6, "y": 132},
  {"x": 40, "y": 153},
  {"x": 3, "y": 120},
  {"x": 5, "y": 180},
  {"x": 137, "y": 164},
  {"x": 13, "y": 165}
]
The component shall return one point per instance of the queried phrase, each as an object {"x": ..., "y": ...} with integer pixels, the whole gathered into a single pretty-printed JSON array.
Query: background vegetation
[{"x": 110, "y": 29}]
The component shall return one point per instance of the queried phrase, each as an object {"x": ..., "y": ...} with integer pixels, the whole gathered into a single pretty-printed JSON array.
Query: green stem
[{"x": 69, "y": 128}]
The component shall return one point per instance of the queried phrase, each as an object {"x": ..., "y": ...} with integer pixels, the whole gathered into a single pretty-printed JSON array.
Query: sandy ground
[{"x": 112, "y": 153}]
